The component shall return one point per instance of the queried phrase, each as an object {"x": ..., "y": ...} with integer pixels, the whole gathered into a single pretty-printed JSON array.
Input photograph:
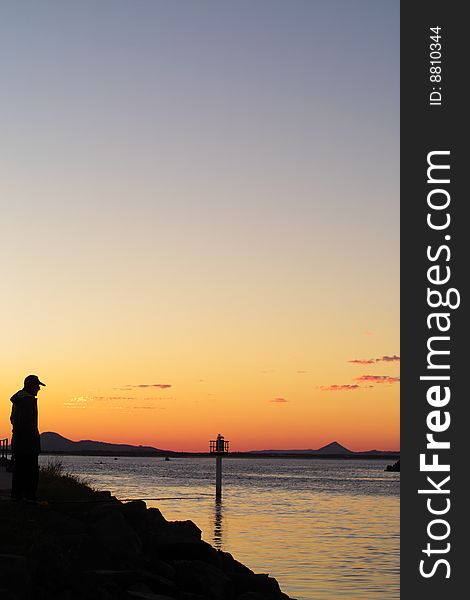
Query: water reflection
[{"x": 217, "y": 541}]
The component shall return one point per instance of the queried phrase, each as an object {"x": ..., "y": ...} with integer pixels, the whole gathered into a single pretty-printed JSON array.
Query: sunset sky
[{"x": 200, "y": 220}]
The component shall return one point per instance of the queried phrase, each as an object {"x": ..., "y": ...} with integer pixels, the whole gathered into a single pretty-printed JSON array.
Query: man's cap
[{"x": 30, "y": 379}]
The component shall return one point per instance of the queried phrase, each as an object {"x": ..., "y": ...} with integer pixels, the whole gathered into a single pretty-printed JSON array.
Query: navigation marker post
[{"x": 219, "y": 447}]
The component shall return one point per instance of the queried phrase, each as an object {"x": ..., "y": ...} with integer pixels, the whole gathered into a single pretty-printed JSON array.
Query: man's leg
[
  {"x": 17, "y": 479},
  {"x": 31, "y": 477}
]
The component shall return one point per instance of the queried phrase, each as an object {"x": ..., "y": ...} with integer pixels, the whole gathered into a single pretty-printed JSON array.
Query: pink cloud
[
  {"x": 162, "y": 386},
  {"x": 340, "y": 388},
  {"x": 393, "y": 358},
  {"x": 363, "y": 361},
  {"x": 378, "y": 378},
  {"x": 113, "y": 398},
  {"x": 371, "y": 361}
]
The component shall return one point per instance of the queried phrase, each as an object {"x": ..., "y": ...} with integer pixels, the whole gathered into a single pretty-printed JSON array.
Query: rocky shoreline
[{"x": 98, "y": 548}]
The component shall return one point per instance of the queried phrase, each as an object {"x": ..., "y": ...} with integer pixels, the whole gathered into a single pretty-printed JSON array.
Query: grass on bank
[{"x": 56, "y": 484}]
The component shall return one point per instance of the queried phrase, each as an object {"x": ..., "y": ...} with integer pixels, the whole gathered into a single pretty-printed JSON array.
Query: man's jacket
[{"x": 24, "y": 418}]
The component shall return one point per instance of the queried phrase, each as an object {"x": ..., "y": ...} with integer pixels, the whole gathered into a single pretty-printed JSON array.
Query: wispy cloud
[
  {"x": 363, "y": 361},
  {"x": 101, "y": 398},
  {"x": 279, "y": 400},
  {"x": 302, "y": 371},
  {"x": 79, "y": 402},
  {"x": 149, "y": 407},
  {"x": 347, "y": 387},
  {"x": 371, "y": 361},
  {"x": 393, "y": 358},
  {"x": 162, "y": 386},
  {"x": 377, "y": 378}
]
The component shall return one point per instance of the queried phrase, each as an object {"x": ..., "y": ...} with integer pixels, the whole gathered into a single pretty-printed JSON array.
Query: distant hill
[
  {"x": 53, "y": 442},
  {"x": 334, "y": 448}
]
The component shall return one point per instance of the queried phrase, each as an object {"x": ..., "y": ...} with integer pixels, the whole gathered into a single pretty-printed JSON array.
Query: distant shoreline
[{"x": 248, "y": 455}]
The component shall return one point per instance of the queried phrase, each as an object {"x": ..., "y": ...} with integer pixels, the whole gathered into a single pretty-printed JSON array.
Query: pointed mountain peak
[{"x": 334, "y": 448}]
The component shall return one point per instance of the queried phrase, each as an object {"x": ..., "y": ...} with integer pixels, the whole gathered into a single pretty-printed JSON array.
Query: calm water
[{"x": 324, "y": 528}]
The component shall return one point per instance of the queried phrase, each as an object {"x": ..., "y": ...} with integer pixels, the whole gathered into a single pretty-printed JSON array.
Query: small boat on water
[{"x": 167, "y": 458}]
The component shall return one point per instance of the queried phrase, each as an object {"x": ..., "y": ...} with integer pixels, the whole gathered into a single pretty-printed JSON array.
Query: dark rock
[
  {"x": 177, "y": 532},
  {"x": 50, "y": 570},
  {"x": 142, "y": 591},
  {"x": 94, "y": 587},
  {"x": 64, "y": 524},
  {"x": 202, "y": 578},
  {"x": 117, "y": 536},
  {"x": 260, "y": 583},
  {"x": 123, "y": 578},
  {"x": 135, "y": 513},
  {"x": 104, "y": 495},
  {"x": 228, "y": 564},
  {"x": 191, "y": 596},
  {"x": 155, "y": 518},
  {"x": 188, "y": 551},
  {"x": 69, "y": 540},
  {"x": 15, "y": 574},
  {"x": 83, "y": 552},
  {"x": 255, "y": 596},
  {"x": 394, "y": 468},
  {"x": 159, "y": 584},
  {"x": 98, "y": 511},
  {"x": 180, "y": 540},
  {"x": 263, "y": 596},
  {"x": 158, "y": 566}
]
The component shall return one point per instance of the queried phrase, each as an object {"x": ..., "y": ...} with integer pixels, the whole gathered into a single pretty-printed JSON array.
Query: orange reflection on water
[{"x": 319, "y": 546}]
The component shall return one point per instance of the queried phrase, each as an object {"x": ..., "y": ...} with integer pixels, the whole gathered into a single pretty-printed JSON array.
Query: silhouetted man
[{"x": 25, "y": 444}]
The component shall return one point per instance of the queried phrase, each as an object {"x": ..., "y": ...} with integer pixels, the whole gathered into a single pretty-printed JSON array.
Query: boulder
[
  {"x": 259, "y": 583},
  {"x": 142, "y": 591},
  {"x": 202, "y": 578},
  {"x": 15, "y": 575},
  {"x": 170, "y": 551},
  {"x": 177, "y": 532},
  {"x": 135, "y": 513},
  {"x": 161, "y": 567},
  {"x": 64, "y": 524},
  {"x": 159, "y": 584},
  {"x": 114, "y": 534},
  {"x": 155, "y": 518},
  {"x": 123, "y": 577},
  {"x": 98, "y": 511},
  {"x": 256, "y": 596},
  {"x": 179, "y": 540},
  {"x": 228, "y": 564}
]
